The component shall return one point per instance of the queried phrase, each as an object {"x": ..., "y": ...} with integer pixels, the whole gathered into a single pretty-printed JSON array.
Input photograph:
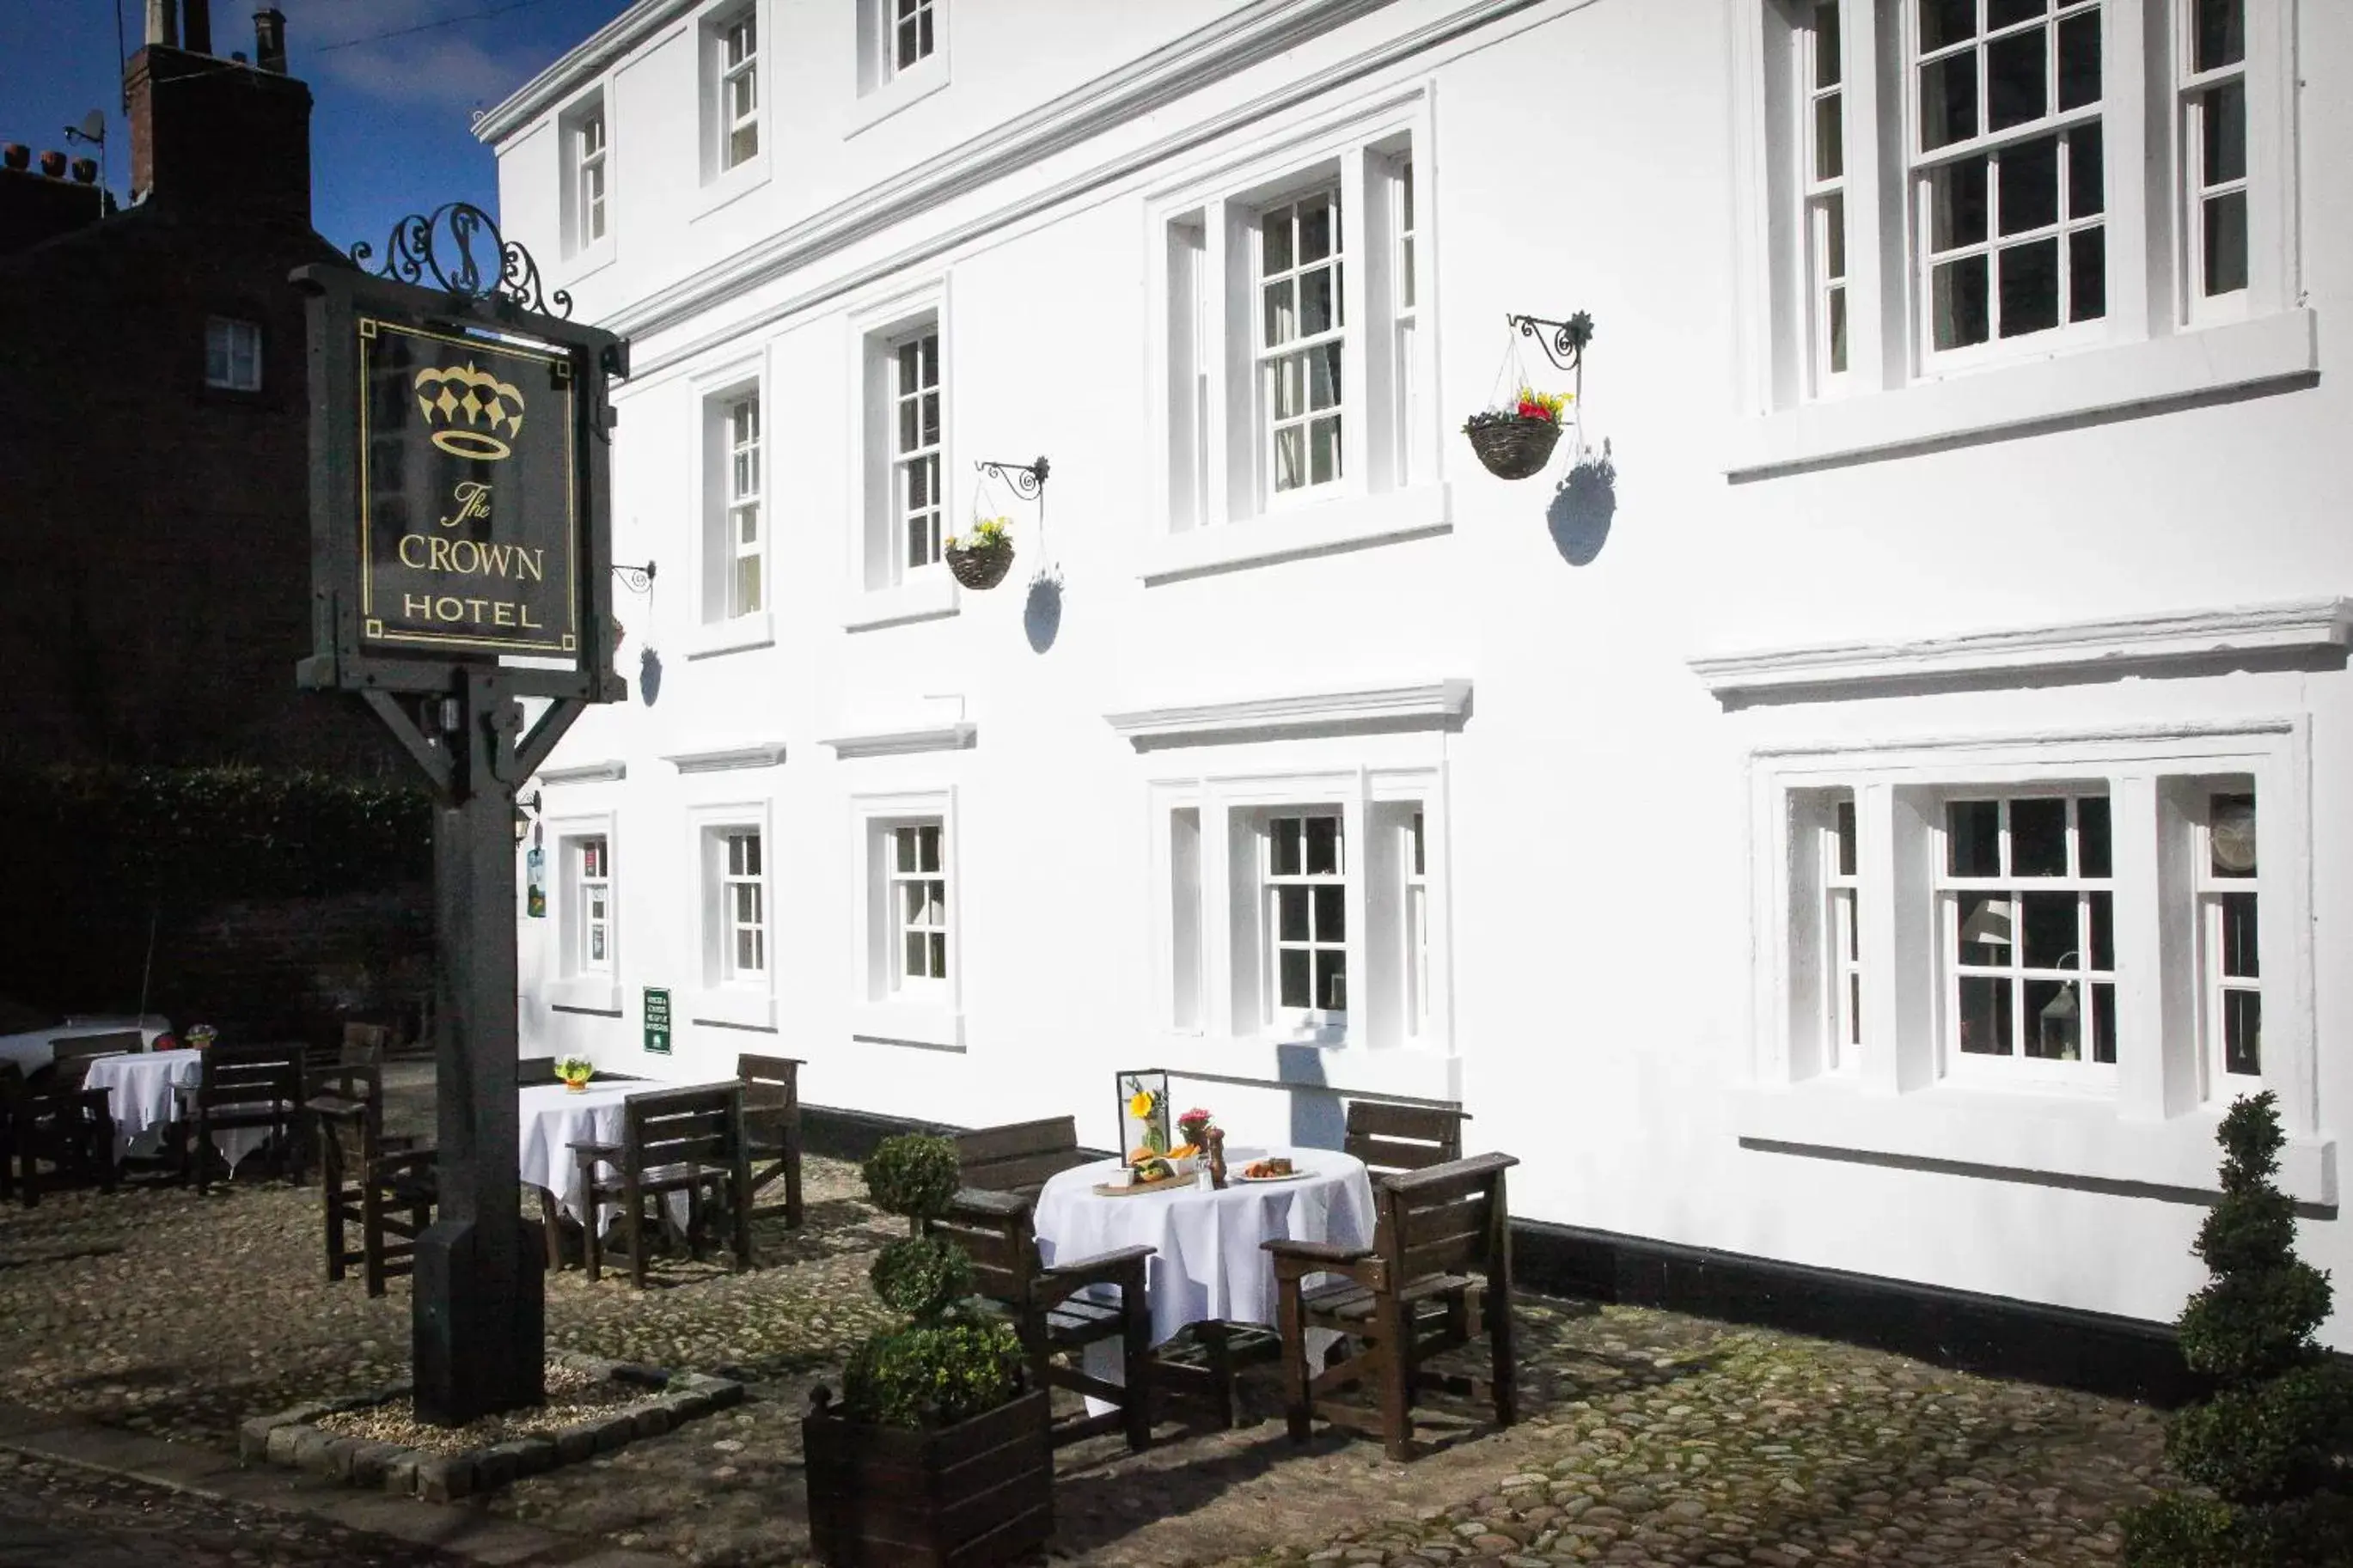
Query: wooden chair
[
  {"x": 689, "y": 1140},
  {"x": 1441, "y": 1235},
  {"x": 1392, "y": 1139},
  {"x": 530, "y": 1070},
  {"x": 1020, "y": 1157},
  {"x": 386, "y": 1186},
  {"x": 1053, "y": 1318},
  {"x": 243, "y": 1086},
  {"x": 66, "y": 1125},
  {"x": 772, "y": 1121}
]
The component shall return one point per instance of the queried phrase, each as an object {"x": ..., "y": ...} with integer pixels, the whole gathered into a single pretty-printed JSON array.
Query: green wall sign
[{"x": 657, "y": 1020}]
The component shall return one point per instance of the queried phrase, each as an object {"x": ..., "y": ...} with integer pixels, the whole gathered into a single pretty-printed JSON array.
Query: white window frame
[
  {"x": 2154, "y": 345},
  {"x": 739, "y": 78},
  {"x": 744, "y": 516},
  {"x": 724, "y": 175},
  {"x": 2190, "y": 87},
  {"x": 723, "y": 994},
  {"x": 888, "y": 1005},
  {"x": 917, "y": 528},
  {"x": 2215, "y": 983},
  {"x": 2154, "y": 1124},
  {"x": 572, "y": 984},
  {"x": 1213, "y": 930},
  {"x": 723, "y": 626},
  {"x": 1215, "y": 503},
  {"x": 1322, "y": 1016},
  {"x": 592, "y": 873},
  {"x": 885, "y": 87},
  {"x": 232, "y": 354},
  {"x": 884, "y": 589},
  {"x": 587, "y": 180}
]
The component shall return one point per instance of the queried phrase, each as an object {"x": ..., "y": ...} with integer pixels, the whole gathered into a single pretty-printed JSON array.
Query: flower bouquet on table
[
  {"x": 575, "y": 1072},
  {"x": 981, "y": 555},
  {"x": 1515, "y": 439},
  {"x": 201, "y": 1036}
]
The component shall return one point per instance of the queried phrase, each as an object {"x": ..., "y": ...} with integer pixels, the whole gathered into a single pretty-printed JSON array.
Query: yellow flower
[{"x": 1139, "y": 1104}]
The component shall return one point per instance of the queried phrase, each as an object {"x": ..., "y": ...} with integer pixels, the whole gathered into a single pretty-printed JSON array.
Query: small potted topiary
[
  {"x": 2270, "y": 1446},
  {"x": 936, "y": 1452}
]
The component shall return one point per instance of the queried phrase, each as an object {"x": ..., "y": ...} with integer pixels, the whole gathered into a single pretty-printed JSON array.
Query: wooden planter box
[{"x": 968, "y": 1495}]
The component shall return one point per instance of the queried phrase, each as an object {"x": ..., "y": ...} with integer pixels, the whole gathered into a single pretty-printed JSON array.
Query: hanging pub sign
[{"x": 459, "y": 470}]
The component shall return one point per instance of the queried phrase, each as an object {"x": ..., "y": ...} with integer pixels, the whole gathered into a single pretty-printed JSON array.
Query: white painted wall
[{"x": 1598, "y": 800}]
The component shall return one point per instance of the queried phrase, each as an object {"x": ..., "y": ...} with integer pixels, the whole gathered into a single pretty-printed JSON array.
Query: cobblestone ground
[
  {"x": 1647, "y": 1438},
  {"x": 62, "y": 1516}
]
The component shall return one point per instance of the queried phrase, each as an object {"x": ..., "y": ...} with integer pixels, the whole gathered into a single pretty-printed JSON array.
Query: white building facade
[{"x": 1880, "y": 834}]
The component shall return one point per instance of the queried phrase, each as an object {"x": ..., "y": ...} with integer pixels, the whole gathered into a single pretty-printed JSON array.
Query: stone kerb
[{"x": 293, "y": 1438}]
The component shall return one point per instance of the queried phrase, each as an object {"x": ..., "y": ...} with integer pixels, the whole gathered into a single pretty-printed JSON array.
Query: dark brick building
[{"x": 154, "y": 531}]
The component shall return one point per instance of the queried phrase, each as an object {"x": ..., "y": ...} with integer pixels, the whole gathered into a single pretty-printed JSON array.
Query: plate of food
[{"x": 1274, "y": 1168}]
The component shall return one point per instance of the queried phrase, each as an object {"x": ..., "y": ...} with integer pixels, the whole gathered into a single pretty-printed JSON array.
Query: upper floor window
[
  {"x": 738, "y": 102},
  {"x": 1965, "y": 181},
  {"x": 911, "y": 34},
  {"x": 735, "y": 526},
  {"x": 744, "y": 542},
  {"x": 1295, "y": 364},
  {"x": 906, "y": 425},
  {"x": 915, "y": 440},
  {"x": 588, "y": 179},
  {"x": 232, "y": 354}
]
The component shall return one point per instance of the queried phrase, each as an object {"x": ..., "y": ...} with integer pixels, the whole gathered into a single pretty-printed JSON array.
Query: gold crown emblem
[{"x": 482, "y": 399}]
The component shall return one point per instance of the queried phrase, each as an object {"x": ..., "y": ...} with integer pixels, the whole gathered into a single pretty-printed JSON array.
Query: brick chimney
[{"x": 217, "y": 139}]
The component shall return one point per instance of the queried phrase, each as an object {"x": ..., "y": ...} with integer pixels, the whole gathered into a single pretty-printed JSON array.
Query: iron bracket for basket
[
  {"x": 1562, "y": 342},
  {"x": 635, "y": 579},
  {"x": 1027, "y": 478}
]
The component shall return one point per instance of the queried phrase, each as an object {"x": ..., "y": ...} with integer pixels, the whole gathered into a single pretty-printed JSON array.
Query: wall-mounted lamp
[{"x": 526, "y": 809}]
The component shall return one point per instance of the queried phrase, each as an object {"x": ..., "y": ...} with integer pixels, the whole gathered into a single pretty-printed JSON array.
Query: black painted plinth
[{"x": 480, "y": 1327}]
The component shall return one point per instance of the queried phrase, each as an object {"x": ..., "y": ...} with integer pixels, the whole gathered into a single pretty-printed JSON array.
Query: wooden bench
[
  {"x": 1393, "y": 1139},
  {"x": 674, "y": 1141},
  {"x": 1020, "y": 1157},
  {"x": 1440, "y": 1237},
  {"x": 1053, "y": 1319}
]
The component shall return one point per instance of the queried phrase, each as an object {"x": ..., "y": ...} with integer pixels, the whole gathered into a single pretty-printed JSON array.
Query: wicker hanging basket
[
  {"x": 981, "y": 568},
  {"x": 1512, "y": 448}
]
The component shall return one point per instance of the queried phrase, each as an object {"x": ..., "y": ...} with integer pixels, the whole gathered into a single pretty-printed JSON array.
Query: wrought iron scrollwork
[
  {"x": 1562, "y": 342},
  {"x": 458, "y": 247},
  {"x": 635, "y": 579},
  {"x": 1027, "y": 478}
]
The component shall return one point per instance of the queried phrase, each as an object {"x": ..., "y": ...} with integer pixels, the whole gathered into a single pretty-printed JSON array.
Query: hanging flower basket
[
  {"x": 982, "y": 557},
  {"x": 1515, "y": 441}
]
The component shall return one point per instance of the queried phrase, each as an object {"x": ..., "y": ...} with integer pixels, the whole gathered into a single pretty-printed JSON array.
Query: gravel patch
[{"x": 573, "y": 1397}]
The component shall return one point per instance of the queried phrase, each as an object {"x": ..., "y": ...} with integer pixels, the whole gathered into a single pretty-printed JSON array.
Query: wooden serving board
[{"x": 1133, "y": 1188}]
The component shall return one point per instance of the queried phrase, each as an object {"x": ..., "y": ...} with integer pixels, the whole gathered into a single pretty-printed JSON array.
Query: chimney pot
[
  {"x": 196, "y": 26},
  {"x": 16, "y": 155},
  {"x": 85, "y": 171},
  {"x": 163, "y": 23},
  {"x": 53, "y": 163},
  {"x": 269, "y": 39}
]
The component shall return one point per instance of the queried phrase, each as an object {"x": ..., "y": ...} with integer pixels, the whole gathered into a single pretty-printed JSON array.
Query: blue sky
[{"x": 388, "y": 134}]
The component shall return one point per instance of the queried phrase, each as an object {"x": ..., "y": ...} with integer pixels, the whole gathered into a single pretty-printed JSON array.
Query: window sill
[
  {"x": 934, "y": 1025},
  {"x": 2080, "y": 1139},
  {"x": 903, "y": 91},
  {"x": 2124, "y": 379},
  {"x": 927, "y": 597},
  {"x": 726, "y": 189},
  {"x": 589, "y": 261},
  {"x": 1415, "y": 1071},
  {"x": 732, "y": 636},
  {"x": 1343, "y": 523},
  {"x": 733, "y": 1007},
  {"x": 586, "y": 993}
]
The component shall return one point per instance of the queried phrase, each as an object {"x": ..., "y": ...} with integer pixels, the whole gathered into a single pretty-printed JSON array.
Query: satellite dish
[{"x": 92, "y": 127}]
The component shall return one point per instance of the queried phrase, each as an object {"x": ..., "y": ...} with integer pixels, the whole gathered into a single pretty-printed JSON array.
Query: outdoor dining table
[
  {"x": 142, "y": 1095},
  {"x": 553, "y": 1117},
  {"x": 1206, "y": 1262}
]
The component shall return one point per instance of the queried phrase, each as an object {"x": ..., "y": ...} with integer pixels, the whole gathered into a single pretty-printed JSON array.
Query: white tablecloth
[
  {"x": 1208, "y": 1262},
  {"x": 553, "y": 1118},
  {"x": 142, "y": 1093}
]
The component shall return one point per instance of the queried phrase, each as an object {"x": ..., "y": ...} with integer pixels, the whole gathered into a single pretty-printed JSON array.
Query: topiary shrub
[
  {"x": 2268, "y": 1445},
  {"x": 951, "y": 1362}
]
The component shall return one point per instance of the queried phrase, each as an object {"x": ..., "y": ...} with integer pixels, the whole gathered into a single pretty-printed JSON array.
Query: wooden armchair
[
  {"x": 676, "y": 1140},
  {"x": 1020, "y": 1157},
  {"x": 66, "y": 1125},
  {"x": 385, "y": 1186},
  {"x": 1053, "y": 1318},
  {"x": 772, "y": 1121},
  {"x": 1440, "y": 1236},
  {"x": 243, "y": 1086},
  {"x": 1393, "y": 1139}
]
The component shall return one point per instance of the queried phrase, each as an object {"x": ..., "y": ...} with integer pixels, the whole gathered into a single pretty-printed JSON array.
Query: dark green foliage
[
  {"x": 933, "y": 1375},
  {"x": 949, "y": 1363},
  {"x": 921, "y": 1276},
  {"x": 217, "y": 834},
  {"x": 913, "y": 1174},
  {"x": 2267, "y": 1442}
]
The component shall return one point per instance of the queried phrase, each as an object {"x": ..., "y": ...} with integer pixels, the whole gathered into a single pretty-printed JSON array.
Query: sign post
[
  {"x": 657, "y": 1020},
  {"x": 460, "y": 539}
]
